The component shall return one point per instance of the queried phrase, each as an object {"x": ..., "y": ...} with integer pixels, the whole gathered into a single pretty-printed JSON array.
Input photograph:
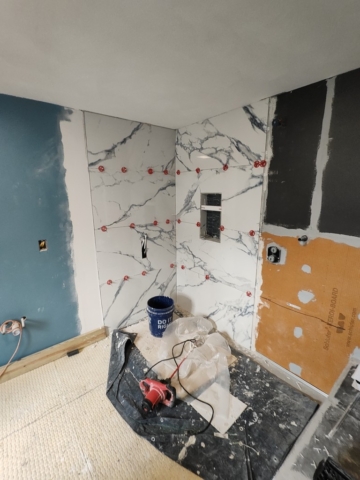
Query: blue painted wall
[{"x": 34, "y": 206}]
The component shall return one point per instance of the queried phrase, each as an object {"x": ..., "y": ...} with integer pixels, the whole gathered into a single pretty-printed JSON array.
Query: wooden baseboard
[{"x": 48, "y": 355}]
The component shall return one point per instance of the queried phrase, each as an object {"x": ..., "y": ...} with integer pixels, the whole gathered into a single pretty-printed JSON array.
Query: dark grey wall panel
[
  {"x": 292, "y": 170},
  {"x": 341, "y": 180}
]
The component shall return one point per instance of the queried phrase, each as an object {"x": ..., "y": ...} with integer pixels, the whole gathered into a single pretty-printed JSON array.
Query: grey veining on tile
[
  {"x": 221, "y": 155},
  {"x": 129, "y": 202}
]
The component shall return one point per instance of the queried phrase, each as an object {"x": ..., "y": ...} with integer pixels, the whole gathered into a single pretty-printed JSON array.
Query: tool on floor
[
  {"x": 156, "y": 392},
  {"x": 159, "y": 391}
]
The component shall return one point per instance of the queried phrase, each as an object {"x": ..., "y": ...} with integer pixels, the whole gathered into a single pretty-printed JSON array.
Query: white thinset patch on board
[
  {"x": 306, "y": 268},
  {"x": 295, "y": 369},
  {"x": 293, "y": 306},
  {"x": 298, "y": 331},
  {"x": 305, "y": 296}
]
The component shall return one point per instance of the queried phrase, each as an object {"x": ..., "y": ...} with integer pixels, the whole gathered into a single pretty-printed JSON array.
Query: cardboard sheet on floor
[{"x": 213, "y": 394}]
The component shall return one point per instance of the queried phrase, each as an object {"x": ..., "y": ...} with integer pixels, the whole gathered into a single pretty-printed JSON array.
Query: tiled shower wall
[
  {"x": 129, "y": 200},
  {"x": 222, "y": 155}
]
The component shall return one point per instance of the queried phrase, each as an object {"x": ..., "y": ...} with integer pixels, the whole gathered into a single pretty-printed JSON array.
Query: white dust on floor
[{"x": 57, "y": 423}]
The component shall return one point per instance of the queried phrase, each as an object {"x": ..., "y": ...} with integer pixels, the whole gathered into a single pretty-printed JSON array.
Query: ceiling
[{"x": 172, "y": 62}]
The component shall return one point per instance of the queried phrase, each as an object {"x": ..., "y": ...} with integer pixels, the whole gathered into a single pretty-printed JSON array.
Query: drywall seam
[
  {"x": 83, "y": 247},
  {"x": 258, "y": 276},
  {"x": 322, "y": 156},
  {"x": 298, "y": 232}
]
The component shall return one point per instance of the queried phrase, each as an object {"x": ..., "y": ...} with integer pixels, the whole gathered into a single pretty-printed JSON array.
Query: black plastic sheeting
[{"x": 265, "y": 425}]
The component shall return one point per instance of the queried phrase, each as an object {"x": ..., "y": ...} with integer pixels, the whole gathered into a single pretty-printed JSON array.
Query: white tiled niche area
[
  {"x": 221, "y": 155},
  {"x": 128, "y": 201}
]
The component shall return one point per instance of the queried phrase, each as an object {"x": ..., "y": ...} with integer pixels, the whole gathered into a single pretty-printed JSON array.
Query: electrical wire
[
  {"x": 174, "y": 357},
  {"x": 13, "y": 355},
  {"x": 192, "y": 340},
  {"x": 192, "y": 396}
]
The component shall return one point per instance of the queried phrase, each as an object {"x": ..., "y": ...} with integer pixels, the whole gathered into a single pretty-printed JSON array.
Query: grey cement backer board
[
  {"x": 275, "y": 417},
  {"x": 292, "y": 170},
  {"x": 314, "y": 444},
  {"x": 341, "y": 180}
]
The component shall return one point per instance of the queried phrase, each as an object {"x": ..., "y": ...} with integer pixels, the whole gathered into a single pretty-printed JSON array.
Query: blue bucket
[{"x": 160, "y": 311}]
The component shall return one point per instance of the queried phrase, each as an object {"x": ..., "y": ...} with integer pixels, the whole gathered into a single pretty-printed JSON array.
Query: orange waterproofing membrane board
[{"x": 311, "y": 339}]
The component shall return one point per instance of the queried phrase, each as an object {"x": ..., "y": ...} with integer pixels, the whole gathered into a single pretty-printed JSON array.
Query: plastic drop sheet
[
  {"x": 204, "y": 369},
  {"x": 275, "y": 416}
]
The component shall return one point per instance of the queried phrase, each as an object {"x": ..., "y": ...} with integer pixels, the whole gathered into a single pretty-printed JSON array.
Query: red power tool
[{"x": 157, "y": 391}]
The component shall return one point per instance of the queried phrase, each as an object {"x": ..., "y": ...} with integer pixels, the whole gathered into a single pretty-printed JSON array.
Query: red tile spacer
[
  {"x": 207, "y": 277},
  {"x": 222, "y": 228},
  {"x": 124, "y": 169},
  {"x": 198, "y": 170},
  {"x": 150, "y": 171},
  {"x": 252, "y": 233},
  {"x": 104, "y": 228},
  {"x": 256, "y": 164},
  {"x": 178, "y": 172},
  {"x": 101, "y": 168},
  {"x": 198, "y": 224},
  {"x": 167, "y": 221},
  {"x": 132, "y": 225},
  {"x": 178, "y": 220},
  {"x": 263, "y": 163},
  {"x": 225, "y": 167},
  {"x": 249, "y": 294},
  {"x": 182, "y": 267},
  {"x": 143, "y": 273},
  {"x": 109, "y": 282},
  {"x": 166, "y": 172},
  {"x": 155, "y": 222},
  {"x": 172, "y": 265},
  {"x": 126, "y": 277}
]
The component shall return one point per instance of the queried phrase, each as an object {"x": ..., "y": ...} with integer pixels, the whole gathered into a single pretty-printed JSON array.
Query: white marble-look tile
[
  {"x": 124, "y": 301},
  {"x": 240, "y": 190},
  {"x": 136, "y": 146},
  {"x": 132, "y": 197},
  {"x": 236, "y": 140},
  {"x": 231, "y": 309},
  {"x": 236, "y": 268}
]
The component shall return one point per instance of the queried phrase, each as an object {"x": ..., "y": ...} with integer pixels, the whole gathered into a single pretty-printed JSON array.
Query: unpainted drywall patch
[
  {"x": 295, "y": 369},
  {"x": 306, "y": 268},
  {"x": 305, "y": 296},
  {"x": 298, "y": 331}
]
